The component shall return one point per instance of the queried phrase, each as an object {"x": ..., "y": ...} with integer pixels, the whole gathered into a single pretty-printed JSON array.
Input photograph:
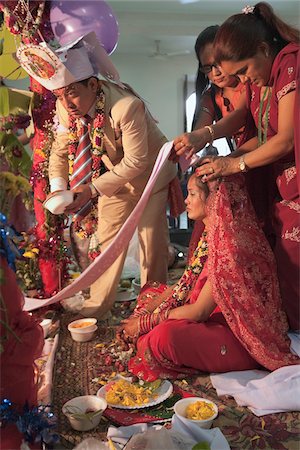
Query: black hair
[
  {"x": 206, "y": 36},
  {"x": 241, "y": 35},
  {"x": 199, "y": 183}
]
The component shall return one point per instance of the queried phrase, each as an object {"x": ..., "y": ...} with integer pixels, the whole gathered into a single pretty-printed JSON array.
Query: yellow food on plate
[
  {"x": 200, "y": 410},
  {"x": 82, "y": 324},
  {"x": 124, "y": 393}
]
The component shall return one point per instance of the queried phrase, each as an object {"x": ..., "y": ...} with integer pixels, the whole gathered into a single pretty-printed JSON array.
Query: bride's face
[{"x": 195, "y": 201}]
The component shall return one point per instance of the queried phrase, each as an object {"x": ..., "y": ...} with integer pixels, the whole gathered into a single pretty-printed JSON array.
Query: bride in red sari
[
  {"x": 225, "y": 312},
  {"x": 267, "y": 62}
]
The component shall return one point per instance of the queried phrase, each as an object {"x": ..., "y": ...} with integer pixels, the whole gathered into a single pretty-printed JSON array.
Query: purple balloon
[{"x": 72, "y": 19}]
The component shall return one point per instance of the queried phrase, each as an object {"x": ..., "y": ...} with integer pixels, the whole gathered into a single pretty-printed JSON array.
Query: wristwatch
[
  {"x": 242, "y": 164},
  {"x": 94, "y": 192}
]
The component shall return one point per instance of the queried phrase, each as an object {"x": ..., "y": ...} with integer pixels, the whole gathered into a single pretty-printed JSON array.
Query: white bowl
[
  {"x": 136, "y": 284},
  {"x": 75, "y": 410},
  {"x": 180, "y": 411},
  {"x": 46, "y": 324},
  {"x": 82, "y": 335},
  {"x": 56, "y": 202},
  {"x": 82, "y": 324}
]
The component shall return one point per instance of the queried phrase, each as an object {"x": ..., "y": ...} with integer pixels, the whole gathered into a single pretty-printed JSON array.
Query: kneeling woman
[{"x": 225, "y": 312}]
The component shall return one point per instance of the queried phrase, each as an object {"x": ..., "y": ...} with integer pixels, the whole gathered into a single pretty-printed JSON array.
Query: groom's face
[{"x": 78, "y": 98}]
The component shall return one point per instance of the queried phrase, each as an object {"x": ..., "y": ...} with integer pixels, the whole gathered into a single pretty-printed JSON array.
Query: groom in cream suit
[{"x": 132, "y": 142}]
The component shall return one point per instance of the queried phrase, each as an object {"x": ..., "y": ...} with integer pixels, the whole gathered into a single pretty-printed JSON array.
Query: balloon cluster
[{"x": 72, "y": 19}]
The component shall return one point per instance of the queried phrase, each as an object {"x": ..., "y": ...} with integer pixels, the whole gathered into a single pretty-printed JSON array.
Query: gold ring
[{"x": 211, "y": 170}]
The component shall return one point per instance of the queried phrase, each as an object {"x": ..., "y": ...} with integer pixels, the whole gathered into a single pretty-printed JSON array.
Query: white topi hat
[{"x": 76, "y": 61}]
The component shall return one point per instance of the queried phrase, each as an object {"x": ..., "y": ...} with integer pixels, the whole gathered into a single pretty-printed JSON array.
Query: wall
[{"x": 160, "y": 83}]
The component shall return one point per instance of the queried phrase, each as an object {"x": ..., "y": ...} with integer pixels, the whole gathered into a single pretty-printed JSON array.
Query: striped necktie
[{"x": 82, "y": 168}]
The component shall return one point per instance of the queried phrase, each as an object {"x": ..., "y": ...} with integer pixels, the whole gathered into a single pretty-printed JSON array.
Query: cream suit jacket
[{"x": 132, "y": 141}]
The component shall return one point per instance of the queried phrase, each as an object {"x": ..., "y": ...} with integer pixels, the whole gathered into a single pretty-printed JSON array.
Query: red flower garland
[{"x": 88, "y": 225}]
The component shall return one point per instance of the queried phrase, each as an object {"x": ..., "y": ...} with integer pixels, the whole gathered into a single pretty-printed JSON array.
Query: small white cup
[
  {"x": 82, "y": 335},
  {"x": 46, "y": 324},
  {"x": 180, "y": 411},
  {"x": 56, "y": 202},
  {"x": 82, "y": 324},
  {"x": 75, "y": 410}
]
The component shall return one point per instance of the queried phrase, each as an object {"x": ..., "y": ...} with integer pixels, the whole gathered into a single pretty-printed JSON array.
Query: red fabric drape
[
  {"x": 243, "y": 274},
  {"x": 17, "y": 360}
]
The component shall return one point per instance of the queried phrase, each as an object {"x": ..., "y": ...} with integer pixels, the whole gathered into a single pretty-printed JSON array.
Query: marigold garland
[
  {"x": 190, "y": 275},
  {"x": 88, "y": 225},
  {"x": 19, "y": 18}
]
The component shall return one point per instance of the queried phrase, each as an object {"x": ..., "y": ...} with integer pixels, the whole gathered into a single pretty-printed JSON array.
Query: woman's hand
[
  {"x": 128, "y": 332},
  {"x": 190, "y": 143},
  {"x": 213, "y": 167},
  {"x": 131, "y": 327}
]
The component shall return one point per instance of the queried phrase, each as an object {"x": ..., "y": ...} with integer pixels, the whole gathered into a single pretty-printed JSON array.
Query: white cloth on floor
[
  {"x": 73, "y": 304},
  {"x": 122, "y": 434},
  {"x": 46, "y": 373},
  {"x": 214, "y": 436},
  {"x": 261, "y": 391},
  {"x": 95, "y": 444},
  {"x": 182, "y": 435}
]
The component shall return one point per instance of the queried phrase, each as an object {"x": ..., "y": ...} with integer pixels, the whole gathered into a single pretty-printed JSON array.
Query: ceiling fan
[{"x": 159, "y": 54}]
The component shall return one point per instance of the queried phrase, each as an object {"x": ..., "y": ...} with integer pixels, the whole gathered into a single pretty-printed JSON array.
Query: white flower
[{"x": 248, "y": 9}]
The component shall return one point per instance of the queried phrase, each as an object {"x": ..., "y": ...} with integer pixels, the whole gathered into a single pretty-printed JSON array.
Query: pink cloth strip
[{"x": 105, "y": 259}]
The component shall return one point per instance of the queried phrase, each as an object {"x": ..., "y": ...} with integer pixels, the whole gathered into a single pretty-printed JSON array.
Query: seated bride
[{"x": 225, "y": 312}]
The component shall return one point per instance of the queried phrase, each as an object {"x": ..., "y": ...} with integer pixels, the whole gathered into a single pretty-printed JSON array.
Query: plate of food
[{"x": 124, "y": 394}]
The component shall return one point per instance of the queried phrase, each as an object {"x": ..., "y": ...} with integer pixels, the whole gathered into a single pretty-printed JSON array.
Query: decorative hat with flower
[{"x": 76, "y": 61}]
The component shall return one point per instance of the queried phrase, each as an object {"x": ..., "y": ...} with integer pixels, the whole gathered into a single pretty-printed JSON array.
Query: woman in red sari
[
  {"x": 225, "y": 312},
  {"x": 217, "y": 94},
  {"x": 22, "y": 342},
  {"x": 267, "y": 63}
]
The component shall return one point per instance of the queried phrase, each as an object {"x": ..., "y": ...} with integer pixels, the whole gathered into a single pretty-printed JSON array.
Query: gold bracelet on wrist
[{"x": 211, "y": 132}]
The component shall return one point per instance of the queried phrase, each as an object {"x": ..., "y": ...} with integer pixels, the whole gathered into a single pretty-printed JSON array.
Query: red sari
[
  {"x": 248, "y": 329},
  {"x": 286, "y": 204}
]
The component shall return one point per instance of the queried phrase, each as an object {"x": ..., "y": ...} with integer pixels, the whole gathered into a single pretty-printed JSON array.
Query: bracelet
[
  {"x": 139, "y": 311},
  {"x": 211, "y": 132}
]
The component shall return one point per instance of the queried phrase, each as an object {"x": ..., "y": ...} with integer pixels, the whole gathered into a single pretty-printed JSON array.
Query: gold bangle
[{"x": 211, "y": 132}]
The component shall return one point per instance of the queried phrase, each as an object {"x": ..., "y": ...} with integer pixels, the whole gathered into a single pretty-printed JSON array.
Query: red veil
[{"x": 243, "y": 273}]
